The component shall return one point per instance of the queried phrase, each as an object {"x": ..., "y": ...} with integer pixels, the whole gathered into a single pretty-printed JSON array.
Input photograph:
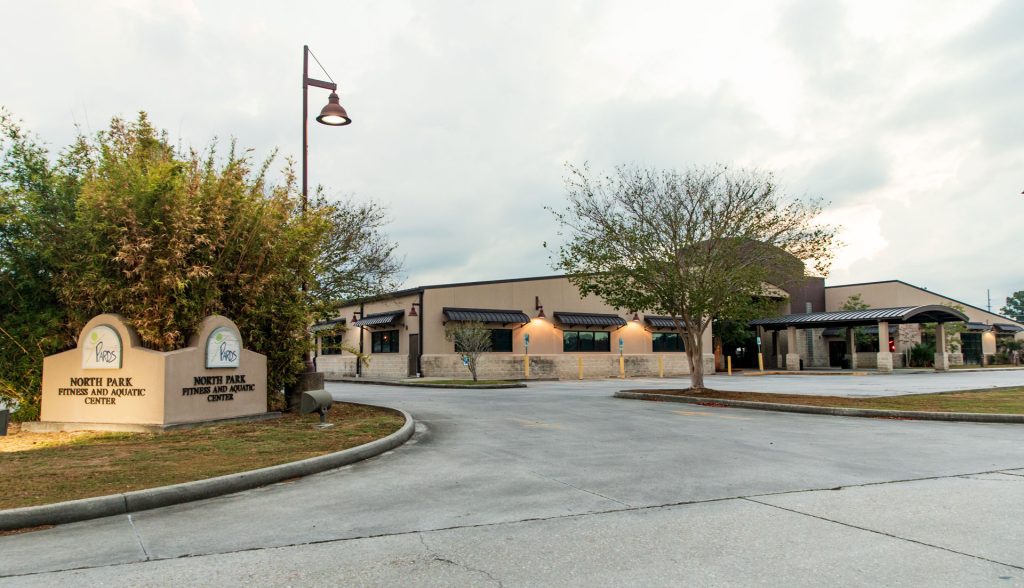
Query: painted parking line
[{"x": 710, "y": 414}]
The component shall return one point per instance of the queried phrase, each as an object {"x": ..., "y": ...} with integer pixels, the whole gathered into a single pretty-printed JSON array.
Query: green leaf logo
[
  {"x": 220, "y": 337},
  {"x": 94, "y": 336}
]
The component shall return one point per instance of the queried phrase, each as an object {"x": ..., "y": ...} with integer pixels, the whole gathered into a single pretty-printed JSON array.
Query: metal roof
[
  {"x": 978, "y": 327},
  {"x": 1007, "y": 328},
  {"x": 930, "y": 313},
  {"x": 662, "y": 322},
  {"x": 486, "y": 315},
  {"x": 589, "y": 319},
  {"x": 379, "y": 318}
]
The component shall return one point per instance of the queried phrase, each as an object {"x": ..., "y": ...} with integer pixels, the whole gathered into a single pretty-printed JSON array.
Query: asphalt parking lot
[{"x": 559, "y": 483}]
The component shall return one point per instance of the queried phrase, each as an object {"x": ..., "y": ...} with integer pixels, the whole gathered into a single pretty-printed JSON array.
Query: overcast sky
[{"x": 906, "y": 116}]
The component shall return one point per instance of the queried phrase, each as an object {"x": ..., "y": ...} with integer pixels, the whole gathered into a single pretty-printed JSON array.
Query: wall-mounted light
[
  {"x": 636, "y": 317},
  {"x": 413, "y": 311},
  {"x": 355, "y": 316},
  {"x": 538, "y": 307}
]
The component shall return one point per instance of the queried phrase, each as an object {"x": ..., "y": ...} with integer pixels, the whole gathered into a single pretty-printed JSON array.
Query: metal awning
[
  {"x": 662, "y": 322},
  {"x": 327, "y": 325},
  {"x": 486, "y": 315},
  {"x": 582, "y": 319},
  {"x": 379, "y": 318},
  {"x": 931, "y": 313},
  {"x": 868, "y": 330},
  {"x": 978, "y": 327},
  {"x": 1007, "y": 328}
]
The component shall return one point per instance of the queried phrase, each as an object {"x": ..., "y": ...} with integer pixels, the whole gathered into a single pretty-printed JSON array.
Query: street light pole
[{"x": 331, "y": 115}]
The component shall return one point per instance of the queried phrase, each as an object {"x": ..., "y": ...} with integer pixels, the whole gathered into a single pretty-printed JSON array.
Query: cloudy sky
[{"x": 906, "y": 116}]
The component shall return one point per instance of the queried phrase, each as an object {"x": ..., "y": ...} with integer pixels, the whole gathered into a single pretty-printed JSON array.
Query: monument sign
[{"x": 110, "y": 379}]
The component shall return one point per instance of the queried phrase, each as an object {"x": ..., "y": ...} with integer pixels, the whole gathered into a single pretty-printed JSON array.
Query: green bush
[
  {"x": 922, "y": 355},
  {"x": 122, "y": 222}
]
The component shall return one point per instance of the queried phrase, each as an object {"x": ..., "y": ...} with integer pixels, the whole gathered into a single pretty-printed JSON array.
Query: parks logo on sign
[
  {"x": 223, "y": 349},
  {"x": 102, "y": 349}
]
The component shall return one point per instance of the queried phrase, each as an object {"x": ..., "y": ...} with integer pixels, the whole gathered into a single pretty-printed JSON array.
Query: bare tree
[
  {"x": 471, "y": 340},
  {"x": 695, "y": 245}
]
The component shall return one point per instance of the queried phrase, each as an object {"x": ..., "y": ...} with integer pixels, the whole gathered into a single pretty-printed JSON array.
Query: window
[
  {"x": 586, "y": 341},
  {"x": 501, "y": 340},
  {"x": 330, "y": 345},
  {"x": 667, "y": 342},
  {"x": 384, "y": 342}
]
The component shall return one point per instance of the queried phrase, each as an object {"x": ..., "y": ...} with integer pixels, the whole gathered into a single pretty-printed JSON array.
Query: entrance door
[
  {"x": 836, "y": 352},
  {"x": 414, "y": 354},
  {"x": 970, "y": 344}
]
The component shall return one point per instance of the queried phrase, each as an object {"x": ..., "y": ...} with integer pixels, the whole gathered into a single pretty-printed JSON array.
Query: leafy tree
[
  {"x": 694, "y": 245},
  {"x": 471, "y": 340},
  {"x": 1015, "y": 306},
  {"x": 122, "y": 222},
  {"x": 855, "y": 302},
  {"x": 952, "y": 330}
]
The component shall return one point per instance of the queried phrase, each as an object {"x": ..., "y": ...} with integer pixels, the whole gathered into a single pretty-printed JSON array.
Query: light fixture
[
  {"x": 334, "y": 113},
  {"x": 538, "y": 307},
  {"x": 636, "y": 317},
  {"x": 412, "y": 312},
  {"x": 355, "y": 316}
]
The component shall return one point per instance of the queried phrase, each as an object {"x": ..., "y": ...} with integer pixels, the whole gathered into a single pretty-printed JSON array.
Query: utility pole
[{"x": 988, "y": 293}]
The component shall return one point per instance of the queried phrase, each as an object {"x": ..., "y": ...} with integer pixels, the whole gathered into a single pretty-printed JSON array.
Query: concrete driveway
[{"x": 559, "y": 483}]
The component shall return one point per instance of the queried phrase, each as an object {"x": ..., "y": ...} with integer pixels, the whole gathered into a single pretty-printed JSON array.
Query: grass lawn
[
  {"x": 467, "y": 383},
  {"x": 1008, "y": 400},
  {"x": 41, "y": 468}
]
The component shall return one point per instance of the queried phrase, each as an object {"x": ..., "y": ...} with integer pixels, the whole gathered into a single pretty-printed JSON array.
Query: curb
[
  {"x": 971, "y": 417},
  {"x": 127, "y": 502},
  {"x": 427, "y": 384}
]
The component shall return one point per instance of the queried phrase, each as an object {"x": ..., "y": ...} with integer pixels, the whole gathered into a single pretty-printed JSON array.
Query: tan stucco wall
[
  {"x": 555, "y": 294},
  {"x": 160, "y": 377}
]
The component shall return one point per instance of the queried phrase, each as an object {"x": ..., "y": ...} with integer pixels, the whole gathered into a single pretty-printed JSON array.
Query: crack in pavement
[
  {"x": 138, "y": 538},
  {"x": 883, "y": 533},
  {"x": 437, "y": 557},
  {"x": 580, "y": 489},
  {"x": 748, "y": 497}
]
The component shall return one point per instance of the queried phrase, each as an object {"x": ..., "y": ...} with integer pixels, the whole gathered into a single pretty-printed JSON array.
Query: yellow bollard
[
  {"x": 760, "y": 361},
  {"x": 526, "y": 365},
  {"x": 728, "y": 363},
  {"x": 661, "y": 366},
  {"x": 622, "y": 367},
  {"x": 579, "y": 365}
]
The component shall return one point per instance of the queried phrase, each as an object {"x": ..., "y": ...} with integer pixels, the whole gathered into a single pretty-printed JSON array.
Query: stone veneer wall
[
  {"x": 336, "y": 366},
  {"x": 566, "y": 367}
]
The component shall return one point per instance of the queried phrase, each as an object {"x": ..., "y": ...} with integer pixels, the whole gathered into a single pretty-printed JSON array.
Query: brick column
[
  {"x": 941, "y": 354},
  {"x": 792, "y": 356},
  {"x": 884, "y": 355},
  {"x": 851, "y": 345}
]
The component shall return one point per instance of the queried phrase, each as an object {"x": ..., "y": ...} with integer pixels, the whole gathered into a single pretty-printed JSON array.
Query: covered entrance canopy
[{"x": 880, "y": 317}]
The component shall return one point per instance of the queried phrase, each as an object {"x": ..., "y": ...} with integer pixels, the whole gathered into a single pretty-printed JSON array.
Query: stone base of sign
[
  {"x": 55, "y": 427},
  {"x": 111, "y": 378}
]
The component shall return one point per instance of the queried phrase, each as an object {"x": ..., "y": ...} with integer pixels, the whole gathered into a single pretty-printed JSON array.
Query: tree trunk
[
  {"x": 695, "y": 353},
  {"x": 472, "y": 367}
]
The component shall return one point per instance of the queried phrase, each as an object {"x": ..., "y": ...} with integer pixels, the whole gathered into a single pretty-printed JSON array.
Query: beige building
[
  {"x": 403, "y": 334},
  {"x": 822, "y": 336}
]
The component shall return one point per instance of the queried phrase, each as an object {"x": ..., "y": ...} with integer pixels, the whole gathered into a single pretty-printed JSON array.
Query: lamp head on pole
[{"x": 333, "y": 114}]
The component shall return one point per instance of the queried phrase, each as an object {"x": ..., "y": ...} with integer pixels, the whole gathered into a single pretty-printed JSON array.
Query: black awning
[
  {"x": 379, "y": 318},
  {"x": 582, "y": 319},
  {"x": 978, "y": 327},
  {"x": 327, "y": 325},
  {"x": 662, "y": 322},
  {"x": 486, "y": 315},
  {"x": 1007, "y": 328},
  {"x": 931, "y": 313}
]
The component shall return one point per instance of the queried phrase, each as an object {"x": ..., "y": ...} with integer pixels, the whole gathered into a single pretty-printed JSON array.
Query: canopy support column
[
  {"x": 941, "y": 353},
  {"x": 884, "y": 355},
  {"x": 851, "y": 346},
  {"x": 792, "y": 357}
]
